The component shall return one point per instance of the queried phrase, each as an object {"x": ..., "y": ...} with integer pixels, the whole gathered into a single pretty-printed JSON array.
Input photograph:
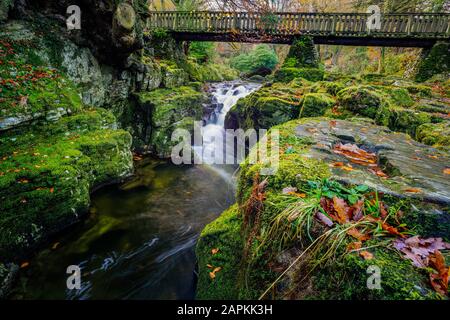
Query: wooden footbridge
[{"x": 357, "y": 29}]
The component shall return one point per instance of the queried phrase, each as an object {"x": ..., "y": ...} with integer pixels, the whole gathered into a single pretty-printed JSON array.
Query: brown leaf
[
  {"x": 52, "y": 190},
  {"x": 366, "y": 255},
  {"x": 217, "y": 269},
  {"x": 214, "y": 251},
  {"x": 354, "y": 246},
  {"x": 355, "y": 154},
  {"x": 342, "y": 210},
  {"x": 413, "y": 190},
  {"x": 24, "y": 265},
  {"x": 439, "y": 280},
  {"x": 212, "y": 275},
  {"x": 324, "y": 219},
  {"x": 209, "y": 266},
  {"x": 355, "y": 233},
  {"x": 357, "y": 209},
  {"x": 383, "y": 212},
  {"x": 55, "y": 245},
  {"x": 446, "y": 171}
]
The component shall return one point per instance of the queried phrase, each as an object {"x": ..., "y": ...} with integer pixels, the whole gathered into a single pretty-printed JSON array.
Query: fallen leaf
[
  {"x": 439, "y": 279},
  {"x": 214, "y": 251},
  {"x": 217, "y": 269},
  {"x": 212, "y": 275},
  {"x": 419, "y": 249},
  {"x": 357, "y": 209},
  {"x": 366, "y": 255},
  {"x": 209, "y": 266},
  {"x": 355, "y": 233},
  {"x": 413, "y": 190},
  {"x": 446, "y": 171},
  {"x": 55, "y": 245},
  {"x": 383, "y": 212},
  {"x": 355, "y": 154},
  {"x": 300, "y": 195},
  {"x": 52, "y": 190},
  {"x": 342, "y": 210},
  {"x": 24, "y": 265},
  {"x": 354, "y": 246},
  {"x": 337, "y": 164},
  {"x": 324, "y": 219}
]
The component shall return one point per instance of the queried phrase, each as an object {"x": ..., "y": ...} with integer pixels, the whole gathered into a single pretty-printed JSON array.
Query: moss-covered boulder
[
  {"x": 273, "y": 245},
  {"x": 436, "y": 61},
  {"x": 316, "y": 104},
  {"x": 366, "y": 102},
  {"x": 435, "y": 134},
  {"x": 266, "y": 107},
  {"x": 302, "y": 54},
  {"x": 223, "y": 234},
  {"x": 47, "y": 172},
  {"x": 405, "y": 120},
  {"x": 167, "y": 110},
  {"x": 287, "y": 74}
]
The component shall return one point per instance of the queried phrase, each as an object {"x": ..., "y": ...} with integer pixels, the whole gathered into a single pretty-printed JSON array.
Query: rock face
[
  {"x": 410, "y": 165},
  {"x": 166, "y": 110},
  {"x": 54, "y": 149}
]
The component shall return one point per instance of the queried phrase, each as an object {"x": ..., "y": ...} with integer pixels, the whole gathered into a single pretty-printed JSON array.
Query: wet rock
[{"x": 415, "y": 170}]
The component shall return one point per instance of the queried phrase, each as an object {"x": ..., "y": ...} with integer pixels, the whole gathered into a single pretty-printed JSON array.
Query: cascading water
[
  {"x": 138, "y": 242},
  {"x": 224, "y": 96}
]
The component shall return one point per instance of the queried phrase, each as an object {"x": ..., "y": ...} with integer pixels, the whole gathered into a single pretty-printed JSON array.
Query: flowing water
[{"x": 139, "y": 240}]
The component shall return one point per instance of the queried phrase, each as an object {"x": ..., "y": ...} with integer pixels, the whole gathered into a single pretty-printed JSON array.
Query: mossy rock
[
  {"x": 437, "y": 61},
  {"x": 47, "y": 172},
  {"x": 287, "y": 74},
  {"x": 435, "y": 134},
  {"x": 405, "y": 120},
  {"x": 264, "y": 108},
  {"x": 169, "y": 109},
  {"x": 302, "y": 54},
  {"x": 366, "y": 102},
  {"x": 224, "y": 234},
  {"x": 316, "y": 104}
]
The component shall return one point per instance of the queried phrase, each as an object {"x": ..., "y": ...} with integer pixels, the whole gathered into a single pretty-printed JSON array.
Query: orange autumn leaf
[
  {"x": 446, "y": 171},
  {"x": 300, "y": 195},
  {"x": 354, "y": 246},
  {"x": 355, "y": 233},
  {"x": 52, "y": 190},
  {"x": 337, "y": 164},
  {"x": 209, "y": 266},
  {"x": 214, "y": 251},
  {"x": 24, "y": 265},
  {"x": 342, "y": 210},
  {"x": 366, "y": 255},
  {"x": 413, "y": 190},
  {"x": 439, "y": 279},
  {"x": 212, "y": 275}
]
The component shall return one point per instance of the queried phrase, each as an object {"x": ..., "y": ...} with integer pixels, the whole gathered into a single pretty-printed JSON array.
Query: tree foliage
[{"x": 263, "y": 56}]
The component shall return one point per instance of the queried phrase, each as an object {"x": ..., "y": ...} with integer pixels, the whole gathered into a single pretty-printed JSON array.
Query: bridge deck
[{"x": 410, "y": 29}]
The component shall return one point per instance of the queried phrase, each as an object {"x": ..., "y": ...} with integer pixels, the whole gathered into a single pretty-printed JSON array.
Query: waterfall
[{"x": 224, "y": 96}]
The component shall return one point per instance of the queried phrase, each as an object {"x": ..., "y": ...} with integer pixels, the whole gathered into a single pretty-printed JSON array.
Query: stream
[{"x": 139, "y": 239}]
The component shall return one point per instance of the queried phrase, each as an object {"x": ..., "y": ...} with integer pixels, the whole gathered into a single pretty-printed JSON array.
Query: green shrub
[
  {"x": 201, "y": 51},
  {"x": 262, "y": 57}
]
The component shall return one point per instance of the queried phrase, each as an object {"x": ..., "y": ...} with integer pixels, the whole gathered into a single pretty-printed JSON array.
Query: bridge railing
[{"x": 426, "y": 25}]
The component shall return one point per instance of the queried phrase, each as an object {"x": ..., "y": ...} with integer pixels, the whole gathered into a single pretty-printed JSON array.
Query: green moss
[
  {"x": 436, "y": 135},
  {"x": 265, "y": 108},
  {"x": 347, "y": 279},
  {"x": 47, "y": 172},
  {"x": 399, "y": 96},
  {"x": 405, "y": 120},
  {"x": 365, "y": 101},
  {"x": 209, "y": 72},
  {"x": 287, "y": 74},
  {"x": 224, "y": 234},
  {"x": 302, "y": 54},
  {"x": 170, "y": 109},
  {"x": 316, "y": 104},
  {"x": 437, "y": 61}
]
